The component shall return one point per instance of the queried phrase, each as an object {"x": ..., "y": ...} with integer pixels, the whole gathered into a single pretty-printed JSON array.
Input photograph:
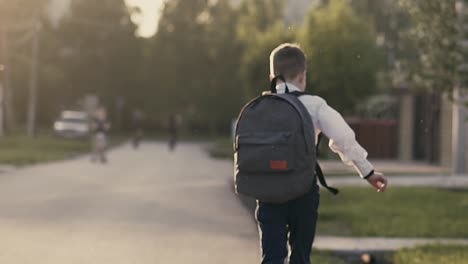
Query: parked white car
[{"x": 72, "y": 124}]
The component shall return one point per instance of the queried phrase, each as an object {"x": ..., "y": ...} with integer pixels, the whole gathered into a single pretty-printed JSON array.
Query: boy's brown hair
[{"x": 288, "y": 60}]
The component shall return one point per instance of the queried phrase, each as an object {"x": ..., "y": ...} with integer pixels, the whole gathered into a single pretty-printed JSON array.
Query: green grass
[
  {"x": 322, "y": 257},
  {"x": 221, "y": 149},
  {"x": 399, "y": 212},
  {"x": 436, "y": 254},
  {"x": 432, "y": 254},
  {"x": 22, "y": 150}
]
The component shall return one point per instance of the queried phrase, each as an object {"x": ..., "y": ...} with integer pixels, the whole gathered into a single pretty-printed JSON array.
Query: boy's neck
[{"x": 297, "y": 84}]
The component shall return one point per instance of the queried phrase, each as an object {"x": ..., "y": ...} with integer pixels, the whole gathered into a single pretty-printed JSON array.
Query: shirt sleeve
[{"x": 342, "y": 139}]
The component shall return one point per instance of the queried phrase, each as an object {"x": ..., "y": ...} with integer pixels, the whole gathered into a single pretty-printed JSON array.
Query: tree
[
  {"x": 223, "y": 52},
  {"x": 435, "y": 31},
  {"x": 261, "y": 28},
  {"x": 194, "y": 60},
  {"x": 343, "y": 59},
  {"x": 391, "y": 22},
  {"x": 255, "y": 70},
  {"x": 177, "y": 57},
  {"x": 259, "y": 16},
  {"x": 99, "y": 52}
]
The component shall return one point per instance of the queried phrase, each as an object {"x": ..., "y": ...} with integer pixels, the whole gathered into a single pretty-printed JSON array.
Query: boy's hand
[{"x": 378, "y": 181}]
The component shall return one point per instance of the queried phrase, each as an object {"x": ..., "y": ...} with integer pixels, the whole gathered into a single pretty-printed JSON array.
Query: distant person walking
[
  {"x": 100, "y": 126},
  {"x": 173, "y": 127},
  {"x": 137, "y": 124},
  {"x": 275, "y": 160}
]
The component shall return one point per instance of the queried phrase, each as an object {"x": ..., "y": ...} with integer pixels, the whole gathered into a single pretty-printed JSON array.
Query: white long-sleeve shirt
[{"x": 331, "y": 123}]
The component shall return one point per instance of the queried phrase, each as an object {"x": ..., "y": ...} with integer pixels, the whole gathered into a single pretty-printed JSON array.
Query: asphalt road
[{"x": 144, "y": 206}]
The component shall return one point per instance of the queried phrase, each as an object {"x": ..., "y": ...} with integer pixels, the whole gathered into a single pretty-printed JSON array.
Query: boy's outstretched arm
[{"x": 343, "y": 142}]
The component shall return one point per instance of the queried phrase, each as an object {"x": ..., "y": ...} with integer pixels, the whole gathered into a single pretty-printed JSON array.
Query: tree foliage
[
  {"x": 93, "y": 51},
  {"x": 391, "y": 24},
  {"x": 195, "y": 59},
  {"x": 435, "y": 33},
  {"x": 100, "y": 51},
  {"x": 206, "y": 60},
  {"x": 18, "y": 11},
  {"x": 343, "y": 58}
]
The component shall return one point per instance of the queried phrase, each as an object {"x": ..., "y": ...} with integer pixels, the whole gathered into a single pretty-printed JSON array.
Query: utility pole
[
  {"x": 8, "y": 93},
  {"x": 460, "y": 112},
  {"x": 2, "y": 130},
  {"x": 6, "y": 106},
  {"x": 33, "y": 85},
  {"x": 2, "y": 74}
]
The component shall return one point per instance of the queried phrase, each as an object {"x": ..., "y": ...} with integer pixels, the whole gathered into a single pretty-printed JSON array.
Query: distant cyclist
[
  {"x": 100, "y": 126},
  {"x": 173, "y": 131}
]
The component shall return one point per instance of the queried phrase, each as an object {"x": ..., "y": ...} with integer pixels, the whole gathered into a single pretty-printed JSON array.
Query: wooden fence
[{"x": 378, "y": 137}]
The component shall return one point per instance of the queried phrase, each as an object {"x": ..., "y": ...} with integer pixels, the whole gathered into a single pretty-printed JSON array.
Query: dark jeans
[{"x": 298, "y": 218}]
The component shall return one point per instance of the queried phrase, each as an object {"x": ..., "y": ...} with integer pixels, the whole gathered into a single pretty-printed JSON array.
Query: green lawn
[
  {"x": 22, "y": 150},
  {"x": 436, "y": 254},
  {"x": 433, "y": 254},
  {"x": 399, "y": 212},
  {"x": 222, "y": 149},
  {"x": 321, "y": 257}
]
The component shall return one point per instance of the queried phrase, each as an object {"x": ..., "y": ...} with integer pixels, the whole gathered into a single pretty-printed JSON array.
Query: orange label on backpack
[{"x": 278, "y": 164}]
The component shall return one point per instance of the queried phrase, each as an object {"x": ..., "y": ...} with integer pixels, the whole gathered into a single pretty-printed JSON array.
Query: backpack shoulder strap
[
  {"x": 323, "y": 182},
  {"x": 298, "y": 93},
  {"x": 318, "y": 169},
  {"x": 307, "y": 124}
]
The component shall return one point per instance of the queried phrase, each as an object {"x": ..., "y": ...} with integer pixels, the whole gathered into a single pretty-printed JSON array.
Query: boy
[{"x": 296, "y": 220}]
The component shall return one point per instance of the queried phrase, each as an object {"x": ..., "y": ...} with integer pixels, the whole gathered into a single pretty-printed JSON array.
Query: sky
[
  {"x": 148, "y": 21},
  {"x": 151, "y": 9}
]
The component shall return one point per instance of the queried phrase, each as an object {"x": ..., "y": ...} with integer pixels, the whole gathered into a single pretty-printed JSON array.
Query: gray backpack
[{"x": 274, "y": 148}]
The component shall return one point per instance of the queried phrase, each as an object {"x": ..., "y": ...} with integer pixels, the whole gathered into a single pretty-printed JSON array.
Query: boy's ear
[{"x": 302, "y": 76}]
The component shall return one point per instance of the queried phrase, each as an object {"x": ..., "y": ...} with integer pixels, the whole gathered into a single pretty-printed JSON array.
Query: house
[{"x": 428, "y": 125}]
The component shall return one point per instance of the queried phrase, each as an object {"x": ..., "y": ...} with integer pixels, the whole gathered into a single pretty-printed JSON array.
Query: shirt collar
[{"x": 280, "y": 88}]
